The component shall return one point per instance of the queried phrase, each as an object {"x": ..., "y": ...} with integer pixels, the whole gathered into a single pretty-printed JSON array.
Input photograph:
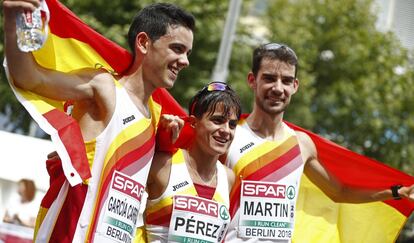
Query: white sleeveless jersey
[
  {"x": 159, "y": 211},
  {"x": 264, "y": 196},
  {"x": 120, "y": 159}
]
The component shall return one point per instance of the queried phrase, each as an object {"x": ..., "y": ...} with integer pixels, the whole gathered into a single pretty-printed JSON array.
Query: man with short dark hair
[
  {"x": 269, "y": 158},
  {"x": 117, "y": 117}
]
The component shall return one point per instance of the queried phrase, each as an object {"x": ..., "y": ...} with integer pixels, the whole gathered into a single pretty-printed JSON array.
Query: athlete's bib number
[
  {"x": 266, "y": 210},
  {"x": 196, "y": 219},
  {"x": 121, "y": 208}
]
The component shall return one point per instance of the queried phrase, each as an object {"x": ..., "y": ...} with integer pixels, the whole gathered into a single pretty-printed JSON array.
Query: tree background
[{"x": 356, "y": 83}]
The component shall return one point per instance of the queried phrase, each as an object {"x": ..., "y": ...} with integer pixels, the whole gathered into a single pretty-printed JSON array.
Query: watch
[{"x": 394, "y": 190}]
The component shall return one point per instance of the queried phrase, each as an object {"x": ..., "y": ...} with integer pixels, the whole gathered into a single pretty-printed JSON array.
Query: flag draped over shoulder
[
  {"x": 321, "y": 220},
  {"x": 72, "y": 45}
]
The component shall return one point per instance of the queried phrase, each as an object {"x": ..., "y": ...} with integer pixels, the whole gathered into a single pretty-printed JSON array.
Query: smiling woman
[{"x": 188, "y": 191}]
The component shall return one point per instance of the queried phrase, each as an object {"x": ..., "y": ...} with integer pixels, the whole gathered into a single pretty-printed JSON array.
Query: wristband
[{"x": 394, "y": 190}]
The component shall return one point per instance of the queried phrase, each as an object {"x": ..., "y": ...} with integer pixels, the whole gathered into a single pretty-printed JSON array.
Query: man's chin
[
  {"x": 275, "y": 110},
  {"x": 222, "y": 149},
  {"x": 168, "y": 84}
]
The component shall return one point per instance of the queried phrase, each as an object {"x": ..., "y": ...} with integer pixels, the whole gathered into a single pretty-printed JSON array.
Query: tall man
[
  {"x": 117, "y": 118},
  {"x": 268, "y": 157}
]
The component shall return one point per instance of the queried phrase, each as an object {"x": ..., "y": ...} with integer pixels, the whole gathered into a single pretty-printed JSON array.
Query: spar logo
[
  {"x": 291, "y": 192},
  {"x": 224, "y": 213},
  {"x": 260, "y": 189},
  {"x": 127, "y": 185},
  {"x": 195, "y": 204}
]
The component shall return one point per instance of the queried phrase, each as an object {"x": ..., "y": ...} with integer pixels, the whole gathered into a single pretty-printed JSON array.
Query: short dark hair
[
  {"x": 154, "y": 20},
  {"x": 207, "y": 101},
  {"x": 274, "y": 51}
]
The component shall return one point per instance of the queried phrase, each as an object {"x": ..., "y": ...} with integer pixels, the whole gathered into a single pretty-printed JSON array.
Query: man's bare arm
[
  {"x": 28, "y": 75},
  {"x": 332, "y": 187},
  {"x": 159, "y": 174}
]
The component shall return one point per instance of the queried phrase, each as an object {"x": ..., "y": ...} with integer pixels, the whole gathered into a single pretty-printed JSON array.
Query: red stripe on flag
[
  {"x": 168, "y": 103},
  {"x": 403, "y": 206},
  {"x": 57, "y": 178},
  {"x": 170, "y": 106},
  {"x": 71, "y": 137},
  {"x": 68, "y": 218},
  {"x": 355, "y": 170}
]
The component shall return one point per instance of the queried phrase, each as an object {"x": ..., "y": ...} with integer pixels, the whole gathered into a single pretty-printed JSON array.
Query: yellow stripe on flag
[
  {"x": 62, "y": 54},
  {"x": 42, "y": 104},
  {"x": 178, "y": 158},
  {"x": 155, "y": 109},
  {"x": 319, "y": 219}
]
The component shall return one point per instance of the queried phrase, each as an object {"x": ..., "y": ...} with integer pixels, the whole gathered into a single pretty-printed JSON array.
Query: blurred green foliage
[{"x": 356, "y": 82}]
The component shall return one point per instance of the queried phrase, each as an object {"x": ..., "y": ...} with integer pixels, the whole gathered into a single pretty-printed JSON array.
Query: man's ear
[
  {"x": 142, "y": 42},
  {"x": 192, "y": 120},
  {"x": 251, "y": 80},
  {"x": 295, "y": 85}
]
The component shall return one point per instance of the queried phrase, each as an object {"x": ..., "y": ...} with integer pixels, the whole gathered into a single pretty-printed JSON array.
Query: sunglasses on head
[
  {"x": 212, "y": 86},
  {"x": 215, "y": 86}
]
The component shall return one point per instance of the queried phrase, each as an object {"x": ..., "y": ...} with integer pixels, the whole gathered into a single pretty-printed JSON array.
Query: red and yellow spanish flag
[
  {"x": 72, "y": 45},
  {"x": 319, "y": 219}
]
